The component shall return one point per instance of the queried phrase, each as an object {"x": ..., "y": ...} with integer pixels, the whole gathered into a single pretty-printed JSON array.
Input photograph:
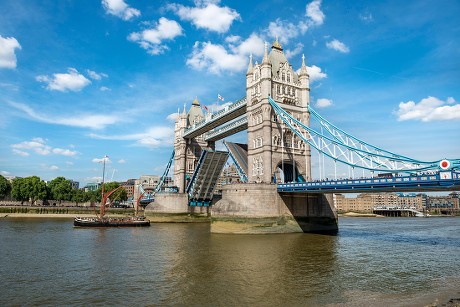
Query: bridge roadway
[
  {"x": 441, "y": 181},
  {"x": 225, "y": 115}
]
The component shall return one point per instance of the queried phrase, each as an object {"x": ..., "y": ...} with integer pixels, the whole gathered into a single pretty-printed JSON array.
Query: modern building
[{"x": 92, "y": 186}]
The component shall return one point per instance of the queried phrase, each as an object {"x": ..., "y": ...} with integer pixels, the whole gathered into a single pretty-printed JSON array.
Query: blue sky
[{"x": 80, "y": 79}]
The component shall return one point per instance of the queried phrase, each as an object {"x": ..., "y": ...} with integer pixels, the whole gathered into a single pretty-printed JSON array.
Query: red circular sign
[{"x": 444, "y": 164}]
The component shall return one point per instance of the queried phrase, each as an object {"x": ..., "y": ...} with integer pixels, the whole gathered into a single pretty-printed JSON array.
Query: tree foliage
[
  {"x": 60, "y": 189},
  {"x": 29, "y": 188},
  {"x": 5, "y": 187}
]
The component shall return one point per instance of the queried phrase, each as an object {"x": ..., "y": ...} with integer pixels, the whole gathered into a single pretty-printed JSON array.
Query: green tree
[
  {"x": 60, "y": 189},
  {"x": 80, "y": 196},
  {"x": 5, "y": 187},
  {"x": 29, "y": 188}
]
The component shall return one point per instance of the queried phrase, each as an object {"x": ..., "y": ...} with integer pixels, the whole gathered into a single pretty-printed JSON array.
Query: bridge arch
[{"x": 288, "y": 170}]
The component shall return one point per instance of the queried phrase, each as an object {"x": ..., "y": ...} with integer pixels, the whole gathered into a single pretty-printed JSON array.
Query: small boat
[
  {"x": 101, "y": 220},
  {"x": 131, "y": 221}
]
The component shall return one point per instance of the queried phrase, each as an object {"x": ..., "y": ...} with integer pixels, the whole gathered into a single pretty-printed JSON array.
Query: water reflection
[
  {"x": 251, "y": 269},
  {"x": 370, "y": 262}
]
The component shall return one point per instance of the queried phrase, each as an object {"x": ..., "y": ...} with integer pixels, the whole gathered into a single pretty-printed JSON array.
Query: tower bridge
[{"x": 275, "y": 166}]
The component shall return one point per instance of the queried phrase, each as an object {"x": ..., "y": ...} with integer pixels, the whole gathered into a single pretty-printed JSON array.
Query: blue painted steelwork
[
  {"x": 344, "y": 148},
  {"x": 239, "y": 169},
  {"x": 201, "y": 187},
  {"x": 195, "y": 173},
  {"x": 165, "y": 174},
  {"x": 440, "y": 181},
  {"x": 150, "y": 197}
]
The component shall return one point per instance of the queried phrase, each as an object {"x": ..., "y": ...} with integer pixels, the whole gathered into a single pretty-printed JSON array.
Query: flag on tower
[
  {"x": 220, "y": 97},
  {"x": 205, "y": 107}
]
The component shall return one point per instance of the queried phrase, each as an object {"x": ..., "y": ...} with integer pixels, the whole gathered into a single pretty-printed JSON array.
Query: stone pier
[
  {"x": 173, "y": 207},
  {"x": 258, "y": 208}
]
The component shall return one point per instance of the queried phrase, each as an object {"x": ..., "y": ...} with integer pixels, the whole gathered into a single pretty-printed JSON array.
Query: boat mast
[{"x": 103, "y": 199}]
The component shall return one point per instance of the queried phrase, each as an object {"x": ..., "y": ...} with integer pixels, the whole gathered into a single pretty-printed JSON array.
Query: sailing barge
[{"x": 100, "y": 220}]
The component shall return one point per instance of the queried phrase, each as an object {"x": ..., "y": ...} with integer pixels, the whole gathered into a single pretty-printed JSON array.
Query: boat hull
[{"x": 83, "y": 222}]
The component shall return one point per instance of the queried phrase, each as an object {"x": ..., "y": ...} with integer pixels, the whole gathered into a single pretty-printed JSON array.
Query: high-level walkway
[{"x": 224, "y": 116}]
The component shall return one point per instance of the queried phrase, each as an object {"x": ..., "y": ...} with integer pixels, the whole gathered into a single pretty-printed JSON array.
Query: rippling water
[{"x": 379, "y": 262}]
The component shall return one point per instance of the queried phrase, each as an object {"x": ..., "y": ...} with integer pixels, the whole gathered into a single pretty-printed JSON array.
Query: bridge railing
[{"x": 442, "y": 180}]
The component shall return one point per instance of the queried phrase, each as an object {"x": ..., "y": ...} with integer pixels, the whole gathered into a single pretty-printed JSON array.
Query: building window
[
  {"x": 257, "y": 166},
  {"x": 288, "y": 77}
]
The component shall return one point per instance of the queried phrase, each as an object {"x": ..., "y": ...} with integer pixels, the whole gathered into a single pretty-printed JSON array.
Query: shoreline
[{"x": 44, "y": 215}]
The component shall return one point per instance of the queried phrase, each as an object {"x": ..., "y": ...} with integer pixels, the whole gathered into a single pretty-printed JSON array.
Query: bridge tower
[
  {"x": 273, "y": 149},
  {"x": 187, "y": 151}
]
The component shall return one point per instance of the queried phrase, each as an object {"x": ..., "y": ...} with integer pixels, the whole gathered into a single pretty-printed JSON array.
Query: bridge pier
[
  {"x": 257, "y": 208},
  {"x": 173, "y": 207}
]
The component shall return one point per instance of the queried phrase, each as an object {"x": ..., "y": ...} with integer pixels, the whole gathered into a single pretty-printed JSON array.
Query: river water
[{"x": 371, "y": 262}]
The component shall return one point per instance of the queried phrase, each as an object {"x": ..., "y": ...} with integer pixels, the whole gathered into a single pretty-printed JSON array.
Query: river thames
[{"x": 371, "y": 262}]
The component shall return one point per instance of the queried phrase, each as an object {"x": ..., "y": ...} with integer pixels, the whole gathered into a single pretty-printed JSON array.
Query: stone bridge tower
[
  {"x": 274, "y": 152},
  {"x": 187, "y": 151}
]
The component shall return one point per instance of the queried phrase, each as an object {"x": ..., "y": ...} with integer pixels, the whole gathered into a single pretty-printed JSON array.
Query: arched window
[
  {"x": 288, "y": 77},
  {"x": 283, "y": 77}
]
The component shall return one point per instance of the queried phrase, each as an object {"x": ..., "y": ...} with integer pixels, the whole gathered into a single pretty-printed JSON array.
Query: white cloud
[
  {"x": 151, "y": 39},
  {"x": 104, "y": 89},
  {"x": 39, "y": 146},
  {"x": 78, "y": 120},
  {"x": 71, "y": 81},
  {"x": 120, "y": 9},
  {"x": 172, "y": 117},
  {"x": 313, "y": 11},
  {"x": 323, "y": 103},
  {"x": 285, "y": 30},
  {"x": 64, "y": 152},
  {"x": 121, "y": 161},
  {"x": 366, "y": 17},
  {"x": 54, "y": 168},
  {"x": 5, "y": 173},
  {"x": 429, "y": 109},
  {"x": 315, "y": 73},
  {"x": 7, "y": 55},
  {"x": 337, "y": 45},
  {"x": 96, "y": 76},
  {"x": 207, "y": 15},
  {"x": 100, "y": 160},
  {"x": 232, "y": 39},
  {"x": 290, "y": 53},
  {"x": 152, "y": 137},
  {"x": 20, "y": 152},
  {"x": 216, "y": 58}
]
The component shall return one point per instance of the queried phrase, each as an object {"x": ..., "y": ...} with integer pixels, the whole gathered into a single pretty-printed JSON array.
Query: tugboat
[{"x": 101, "y": 220}]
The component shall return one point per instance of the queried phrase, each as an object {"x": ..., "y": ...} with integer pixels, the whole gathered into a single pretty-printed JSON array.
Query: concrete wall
[{"x": 258, "y": 208}]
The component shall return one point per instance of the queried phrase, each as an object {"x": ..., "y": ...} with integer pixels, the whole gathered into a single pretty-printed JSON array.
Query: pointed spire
[
  {"x": 265, "y": 59},
  {"x": 276, "y": 44},
  {"x": 196, "y": 102},
  {"x": 250, "y": 65},
  {"x": 184, "y": 113},
  {"x": 303, "y": 69}
]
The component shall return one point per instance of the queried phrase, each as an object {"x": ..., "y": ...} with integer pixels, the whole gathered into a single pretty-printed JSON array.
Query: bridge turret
[{"x": 272, "y": 148}]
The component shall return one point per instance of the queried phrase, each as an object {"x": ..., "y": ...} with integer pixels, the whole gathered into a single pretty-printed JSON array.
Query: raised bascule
[{"x": 277, "y": 192}]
